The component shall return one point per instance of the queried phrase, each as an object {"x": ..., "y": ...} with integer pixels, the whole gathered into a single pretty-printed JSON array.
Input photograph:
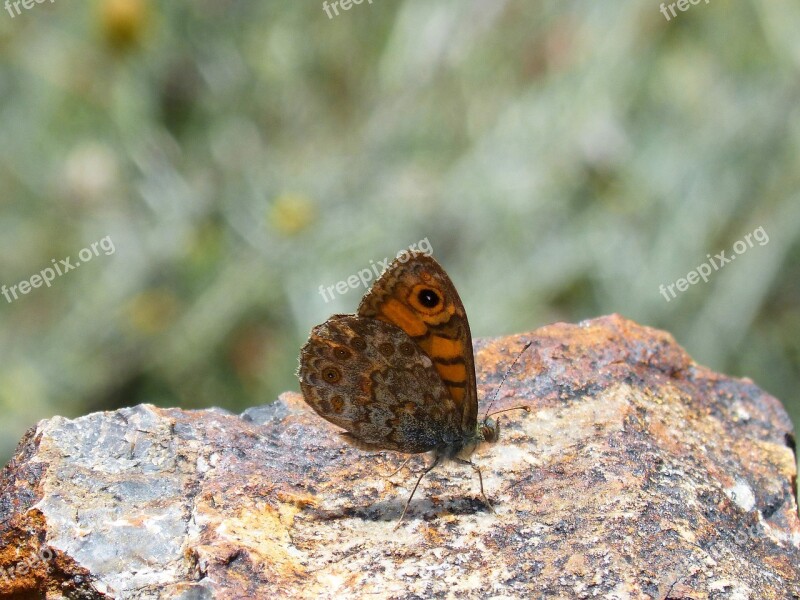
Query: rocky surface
[{"x": 637, "y": 474}]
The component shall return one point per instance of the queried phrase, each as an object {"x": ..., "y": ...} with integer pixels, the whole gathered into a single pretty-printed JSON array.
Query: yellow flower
[
  {"x": 123, "y": 22},
  {"x": 291, "y": 213},
  {"x": 152, "y": 311}
]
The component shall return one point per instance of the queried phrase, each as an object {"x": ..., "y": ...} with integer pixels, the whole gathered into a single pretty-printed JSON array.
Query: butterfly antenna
[
  {"x": 499, "y": 387},
  {"x": 497, "y": 412}
]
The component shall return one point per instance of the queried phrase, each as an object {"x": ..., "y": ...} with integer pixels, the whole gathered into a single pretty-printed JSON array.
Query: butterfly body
[{"x": 399, "y": 375}]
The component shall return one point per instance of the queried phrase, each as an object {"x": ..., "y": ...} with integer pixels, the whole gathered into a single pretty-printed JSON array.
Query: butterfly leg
[
  {"x": 416, "y": 485},
  {"x": 480, "y": 479},
  {"x": 397, "y": 470}
]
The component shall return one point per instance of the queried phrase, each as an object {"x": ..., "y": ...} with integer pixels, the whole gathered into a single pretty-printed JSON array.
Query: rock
[{"x": 637, "y": 474}]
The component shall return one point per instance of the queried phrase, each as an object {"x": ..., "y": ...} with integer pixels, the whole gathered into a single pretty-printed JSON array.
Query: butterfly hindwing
[
  {"x": 368, "y": 377},
  {"x": 417, "y": 296}
]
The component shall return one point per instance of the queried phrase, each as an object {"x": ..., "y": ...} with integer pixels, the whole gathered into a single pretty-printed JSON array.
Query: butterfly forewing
[
  {"x": 368, "y": 377},
  {"x": 418, "y": 297}
]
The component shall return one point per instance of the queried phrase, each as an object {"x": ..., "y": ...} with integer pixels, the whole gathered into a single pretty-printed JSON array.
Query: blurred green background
[{"x": 563, "y": 159}]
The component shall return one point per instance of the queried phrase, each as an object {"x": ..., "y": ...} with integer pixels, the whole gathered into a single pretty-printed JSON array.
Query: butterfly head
[{"x": 489, "y": 430}]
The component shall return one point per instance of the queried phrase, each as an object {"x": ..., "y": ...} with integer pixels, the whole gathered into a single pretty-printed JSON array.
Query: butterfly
[{"x": 400, "y": 374}]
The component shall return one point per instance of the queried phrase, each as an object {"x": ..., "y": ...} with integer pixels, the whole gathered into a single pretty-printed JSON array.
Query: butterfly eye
[
  {"x": 331, "y": 375},
  {"x": 490, "y": 431},
  {"x": 428, "y": 298}
]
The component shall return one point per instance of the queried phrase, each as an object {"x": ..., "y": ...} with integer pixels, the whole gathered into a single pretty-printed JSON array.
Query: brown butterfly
[{"x": 400, "y": 375}]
